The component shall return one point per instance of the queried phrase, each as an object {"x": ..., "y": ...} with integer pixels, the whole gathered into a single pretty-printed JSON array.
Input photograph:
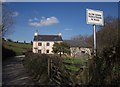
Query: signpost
[{"x": 94, "y": 17}]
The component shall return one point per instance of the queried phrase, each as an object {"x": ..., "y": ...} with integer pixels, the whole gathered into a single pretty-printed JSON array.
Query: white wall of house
[
  {"x": 35, "y": 47},
  {"x": 43, "y": 48},
  {"x": 77, "y": 51}
]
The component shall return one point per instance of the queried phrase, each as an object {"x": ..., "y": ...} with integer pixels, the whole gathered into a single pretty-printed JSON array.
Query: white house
[
  {"x": 78, "y": 49},
  {"x": 44, "y": 43}
]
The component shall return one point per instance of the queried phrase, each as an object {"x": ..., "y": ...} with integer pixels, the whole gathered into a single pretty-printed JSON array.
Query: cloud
[
  {"x": 3, "y": 1},
  {"x": 67, "y": 29},
  {"x": 15, "y": 14},
  {"x": 43, "y": 17},
  {"x": 36, "y": 19},
  {"x": 43, "y": 22},
  {"x": 30, "y": 20}
]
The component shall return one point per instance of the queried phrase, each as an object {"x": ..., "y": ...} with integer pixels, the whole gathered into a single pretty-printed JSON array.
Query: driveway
[{"x": 14, "y": 73}]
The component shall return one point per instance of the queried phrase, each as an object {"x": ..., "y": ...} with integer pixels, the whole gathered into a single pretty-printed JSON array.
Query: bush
[
  {"x": 37, "y": 65},
  {"x": 107, "y": 69},
  {"x": 7, "y": 53},
  {"x": 10, "y": 40}
]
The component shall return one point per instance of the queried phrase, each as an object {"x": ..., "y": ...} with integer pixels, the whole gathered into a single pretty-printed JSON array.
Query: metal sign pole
[
  {"x": 94, "y": 17},
  {"x": 94, "y": 45}
]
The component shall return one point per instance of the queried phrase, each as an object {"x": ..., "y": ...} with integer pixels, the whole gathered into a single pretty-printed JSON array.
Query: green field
[
  {"x": 74, "y": 64},
  {"x": 74, "y": 61},
  {"x": 18, "y": 48}
]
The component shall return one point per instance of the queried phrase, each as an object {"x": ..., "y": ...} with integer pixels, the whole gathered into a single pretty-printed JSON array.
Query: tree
[
  {"x": 10, "y": 40},
  {"x": 7, "y": 20},
  {"x": 61, "y": 48},
  {"x": 31, "y": 43},
  {"x": 24, "y": 42},
  {"x": 107, "y": 61},
  {"x": 107, "y": 36},
  {"x": 80, "y": 40}
]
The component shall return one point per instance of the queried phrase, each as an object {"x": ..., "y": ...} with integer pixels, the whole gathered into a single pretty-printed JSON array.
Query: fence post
[{"x": 48, "y": 67}]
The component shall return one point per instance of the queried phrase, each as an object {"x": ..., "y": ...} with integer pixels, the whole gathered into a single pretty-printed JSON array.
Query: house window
[
  {"x": 48, "y": 44},
  {"x": 39, "y": 44},
  {"x": 82, "y": 51},
  {"x": 55, "y": 38},
  {"x": 47, "y": 51},
  {"x": 39, "y": 51}
]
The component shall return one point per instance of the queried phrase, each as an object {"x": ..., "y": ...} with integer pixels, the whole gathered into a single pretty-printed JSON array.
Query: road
[{"x": 14, "y": 73}]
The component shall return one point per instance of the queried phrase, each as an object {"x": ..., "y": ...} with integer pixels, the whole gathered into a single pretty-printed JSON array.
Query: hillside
[{"x": 18, "y": 48}]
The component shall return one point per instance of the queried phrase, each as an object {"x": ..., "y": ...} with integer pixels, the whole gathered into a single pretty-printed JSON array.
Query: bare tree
[
  {"x": 108, "y": 34},
  {"x": 80, "y": 40},
  {"x": 7, "y": 20}
]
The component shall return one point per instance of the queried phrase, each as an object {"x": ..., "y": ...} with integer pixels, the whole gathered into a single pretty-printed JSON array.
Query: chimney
[
  {"x": 59, "y": 34},
  {"x": 36, "y": 33}
]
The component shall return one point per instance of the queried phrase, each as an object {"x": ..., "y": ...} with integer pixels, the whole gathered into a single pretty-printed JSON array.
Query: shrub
[
  {"x": 7, "y": 53},
  {"x": 44, "y": 67},
  {"x": 10, "y": 40},
  {"x": 37, "y": 65},
  {"x": 107, "y": 70}
]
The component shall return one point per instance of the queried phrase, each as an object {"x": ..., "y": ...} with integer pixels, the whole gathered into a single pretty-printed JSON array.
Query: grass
[
  {"x": 74, "y": 64},
  {"x": 18, "y": 48},
  {"x": 71, "y": 67},
  {"x": 18, "y": 45},
  {"x": 75, "y": 60}
]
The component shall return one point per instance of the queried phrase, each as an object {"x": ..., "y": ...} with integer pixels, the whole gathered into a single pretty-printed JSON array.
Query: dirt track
[{"x": 14, "y": 73}]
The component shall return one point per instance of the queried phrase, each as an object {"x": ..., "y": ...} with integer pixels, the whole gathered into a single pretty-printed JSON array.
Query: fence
[
  {"x": 103, "y": 70},
  {"x": 68, "y": 71},
  {"x": 49, "y": 69}
]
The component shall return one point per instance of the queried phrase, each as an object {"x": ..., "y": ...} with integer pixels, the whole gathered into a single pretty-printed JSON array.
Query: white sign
[{"x": 94, "y": 17}]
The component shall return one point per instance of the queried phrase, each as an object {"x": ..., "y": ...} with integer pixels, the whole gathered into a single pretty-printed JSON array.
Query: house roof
[
  {"x": 48, "y": 38},
  {"x": 74, "y": 43}
]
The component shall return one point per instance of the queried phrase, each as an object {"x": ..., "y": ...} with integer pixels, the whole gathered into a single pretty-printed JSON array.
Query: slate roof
[
  {"x": 74, "y": 43},
  {"x": 48, "y": 38}
]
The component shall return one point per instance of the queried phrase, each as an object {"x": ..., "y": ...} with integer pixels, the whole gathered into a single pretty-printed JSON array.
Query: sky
[
  {"x": 67, "y": 18},
  {"x": 59, "y": 0}
]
